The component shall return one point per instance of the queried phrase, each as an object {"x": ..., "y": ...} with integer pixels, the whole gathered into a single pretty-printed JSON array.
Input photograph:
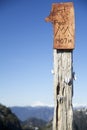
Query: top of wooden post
[{"x": 62, "y": 17}]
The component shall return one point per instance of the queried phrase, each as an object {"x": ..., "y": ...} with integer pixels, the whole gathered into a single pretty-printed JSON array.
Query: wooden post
[{"x": 62, "y": 18}]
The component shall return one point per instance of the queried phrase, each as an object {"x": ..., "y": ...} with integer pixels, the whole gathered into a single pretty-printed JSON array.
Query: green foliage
[
  {"x": 80, "y": 120},
  {"x": 8, "y": 121},
  {"x": 32, "y": 123},
  {"x": 48, "y": 126}
]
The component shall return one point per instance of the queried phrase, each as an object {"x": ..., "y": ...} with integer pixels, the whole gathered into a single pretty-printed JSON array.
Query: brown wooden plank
[{"x": 62, "y": 17}]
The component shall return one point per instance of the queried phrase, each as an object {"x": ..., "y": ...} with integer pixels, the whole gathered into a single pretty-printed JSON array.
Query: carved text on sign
[{"x": 62, "y": 17}]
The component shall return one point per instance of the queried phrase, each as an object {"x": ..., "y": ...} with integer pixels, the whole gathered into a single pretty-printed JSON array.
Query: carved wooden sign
[{"x": 62, "y": 17}]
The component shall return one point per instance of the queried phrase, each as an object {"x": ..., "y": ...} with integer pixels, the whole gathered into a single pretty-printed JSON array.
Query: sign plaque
[{"x": 62, "y": 18}]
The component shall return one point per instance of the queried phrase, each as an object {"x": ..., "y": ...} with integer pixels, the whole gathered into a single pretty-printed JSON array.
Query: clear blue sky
[{"x": 26, "y": 52}]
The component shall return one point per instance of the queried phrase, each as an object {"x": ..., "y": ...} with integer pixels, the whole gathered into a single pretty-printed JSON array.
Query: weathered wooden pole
[{"x": 62, "y": 18}]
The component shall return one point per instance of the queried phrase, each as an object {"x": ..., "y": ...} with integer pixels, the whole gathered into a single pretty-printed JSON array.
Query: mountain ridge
[{"x": 41, "y": 112}]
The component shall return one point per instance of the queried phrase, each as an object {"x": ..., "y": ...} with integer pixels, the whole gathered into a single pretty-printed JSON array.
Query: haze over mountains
[
  {"x": 39, "y": 112},
  {"x": 23, "y": 113}
]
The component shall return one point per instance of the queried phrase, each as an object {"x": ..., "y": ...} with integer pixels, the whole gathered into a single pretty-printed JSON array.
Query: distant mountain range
[
  {"x": 23, "y": 113},
  {"x": 8, "y": 120},
  {"x": 39, "y": 116},
  {"x": 33, "y": 114}
]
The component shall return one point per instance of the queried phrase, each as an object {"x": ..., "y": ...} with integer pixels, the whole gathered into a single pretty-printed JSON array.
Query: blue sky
[{"x": 26, "y": 52}]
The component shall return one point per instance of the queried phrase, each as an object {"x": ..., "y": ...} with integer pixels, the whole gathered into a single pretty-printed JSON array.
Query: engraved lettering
[
  {"x": 63, "y": 21},
  {"x": 63, "y": 41},
  {"x": 69, "y": 40}
]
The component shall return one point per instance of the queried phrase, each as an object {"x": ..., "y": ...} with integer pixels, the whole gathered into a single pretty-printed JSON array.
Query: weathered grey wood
[{"x": 63, "y": 85}]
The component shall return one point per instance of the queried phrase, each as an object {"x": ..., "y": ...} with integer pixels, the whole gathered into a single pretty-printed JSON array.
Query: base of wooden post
[{"x": 63, "y": 90}]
